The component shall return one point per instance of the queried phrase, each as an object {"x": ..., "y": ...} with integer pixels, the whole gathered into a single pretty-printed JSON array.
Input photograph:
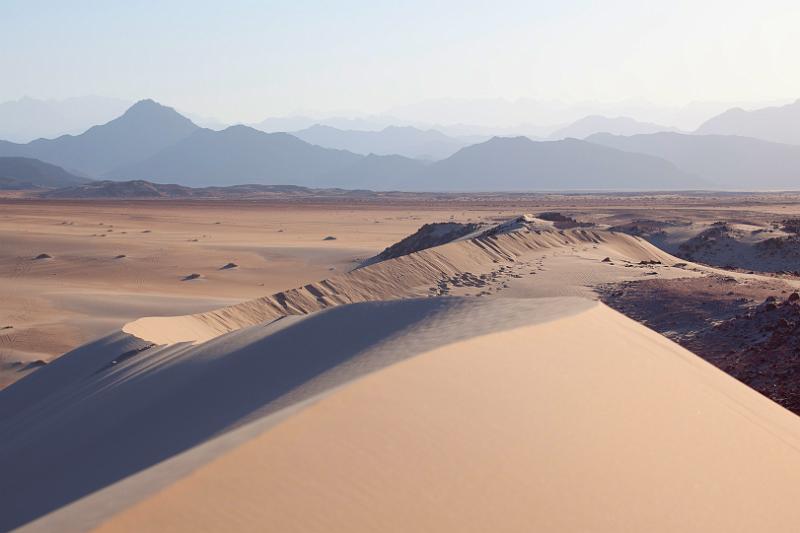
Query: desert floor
[
  {"x": 293, "y": 391},
  {"x": 112, "y": 261}
]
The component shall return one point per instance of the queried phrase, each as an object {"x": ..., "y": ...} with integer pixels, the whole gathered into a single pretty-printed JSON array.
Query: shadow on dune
[{"x": 69, "y": 430}]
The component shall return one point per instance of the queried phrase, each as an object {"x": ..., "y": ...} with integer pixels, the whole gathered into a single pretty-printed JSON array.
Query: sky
[{"x": 243, "y": 60}]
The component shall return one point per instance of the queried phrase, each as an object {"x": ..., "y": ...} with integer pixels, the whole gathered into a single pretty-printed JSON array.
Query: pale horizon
[{"x": 361, "y": 60}]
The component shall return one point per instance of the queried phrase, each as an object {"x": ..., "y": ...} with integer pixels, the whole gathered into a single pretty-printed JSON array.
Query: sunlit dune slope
[{"x": 412, "y": 415}]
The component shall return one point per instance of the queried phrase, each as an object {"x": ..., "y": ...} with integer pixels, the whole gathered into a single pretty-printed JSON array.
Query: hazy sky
[{"x": 244, "y": 60}]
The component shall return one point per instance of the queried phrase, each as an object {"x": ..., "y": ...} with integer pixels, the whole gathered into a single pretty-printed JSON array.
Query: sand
[
  {"x": 57, "y": 304},
  {"x": 515, "y": 264},
  {"x": 474, "y": 386},
  {"x": 85, "y": 291},
  {"x": 579, "y": 420}
]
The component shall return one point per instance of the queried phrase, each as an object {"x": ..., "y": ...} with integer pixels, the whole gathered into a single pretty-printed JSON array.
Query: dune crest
[{"x": 408, "y": 276}]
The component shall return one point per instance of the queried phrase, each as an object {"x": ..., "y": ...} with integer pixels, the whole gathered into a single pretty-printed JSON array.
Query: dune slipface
[{"x": 415, "y": 415}]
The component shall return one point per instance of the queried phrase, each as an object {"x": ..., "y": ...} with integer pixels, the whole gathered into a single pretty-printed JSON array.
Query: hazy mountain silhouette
[
  {"x": 380, "y": 173},
  {"x": 776, "y": 124},
  {"x": 26, "y": 173},
  {"x": 153, "y": 142},
  {"x": 144, "y": 129},
  {"x": 392, "y": 140},
  {"x": 239, "y": 154},
  {"x": 519, "y": 164},
  {"x": 27, "y": 119},
  {"x": 504, "y": 117},
  {"x": 592, "y": 124},
  {"x": 300, "y": 122},
  {"x": 725, "y": 160}
]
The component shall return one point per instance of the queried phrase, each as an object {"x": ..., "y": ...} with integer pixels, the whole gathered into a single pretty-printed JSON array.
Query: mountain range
[
  {"x": 27, "y": 119},
  {"x": 725, "y": 161},
  {"x": 514, "y": 163},
  {"x": 582, "y": 128},
  {"x": 27, "y": 173},
  {"x": 779, "y": 124},
  {"x": 240, "y": 154},
  {"x": 392, "y": 140},
  {"x": 143, "y": 130},
  {"x": 153, "y": 142}
]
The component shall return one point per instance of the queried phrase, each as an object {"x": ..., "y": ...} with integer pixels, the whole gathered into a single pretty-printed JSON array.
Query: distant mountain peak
[
  {"x": 143, "y": 129},
  {"x": 511, "y": 140},
  {"x": 620, "y": 125},
  {"x": 144, "y": 102},
  {"x": 150, "y": 109},
  {"x": 241, "y": 128}
]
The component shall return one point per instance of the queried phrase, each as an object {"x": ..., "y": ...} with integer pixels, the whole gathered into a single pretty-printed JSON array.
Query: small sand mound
[
  {"x": 229, "y": 266},
  {"x": 191, "y": 277},
  {"x": 42, "y": 256}
]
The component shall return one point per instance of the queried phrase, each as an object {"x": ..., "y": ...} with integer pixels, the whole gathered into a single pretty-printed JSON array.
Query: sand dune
[
  {"x": 425, "y": 415},
  {"x": 276, "y": 246},
  {"x": 413, "y": 275},
  {"x": 361, "y": 403}
]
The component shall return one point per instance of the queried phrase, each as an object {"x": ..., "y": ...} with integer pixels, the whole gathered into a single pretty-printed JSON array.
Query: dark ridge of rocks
[
  {"x": 329, "y": 238},
  {"x": 561, "y": 221},
  {"x": 749, "y": 329},
  {"x": 191, "y": 277},
  {"x": 228, "y": 266},
  {"x": 646, "y": 227},
  {"x": 791, "y": 225},
  {"x": 42, "y": 256}
]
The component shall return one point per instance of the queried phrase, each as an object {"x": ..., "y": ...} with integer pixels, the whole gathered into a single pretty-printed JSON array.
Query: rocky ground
[{"x": 749, "y": 329}]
